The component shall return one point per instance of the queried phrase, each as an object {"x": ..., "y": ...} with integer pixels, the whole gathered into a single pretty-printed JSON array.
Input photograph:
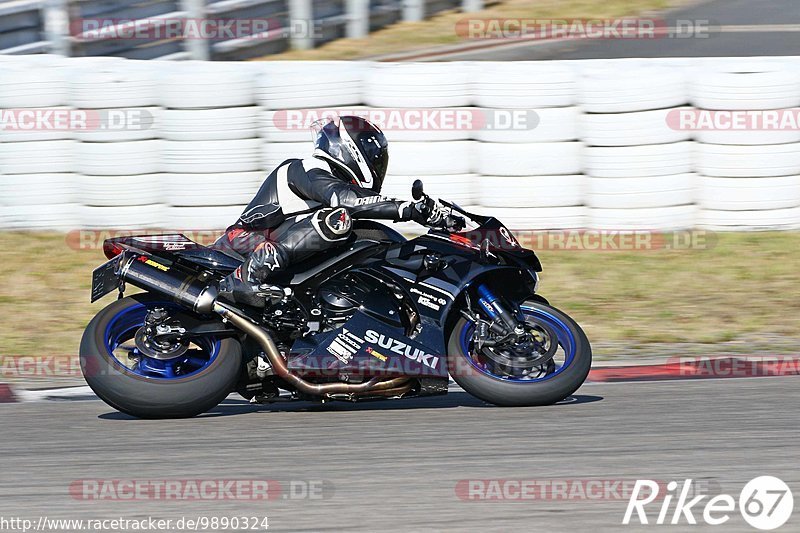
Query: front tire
[
  {"x": 558, "y": 383},
  {"x": 149, "y": 396}
]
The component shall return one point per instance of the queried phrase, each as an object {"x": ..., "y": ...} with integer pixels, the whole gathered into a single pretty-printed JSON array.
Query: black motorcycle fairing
[
  {"x": 365, "y": 346},
  {"x": 432, "y": 274}
]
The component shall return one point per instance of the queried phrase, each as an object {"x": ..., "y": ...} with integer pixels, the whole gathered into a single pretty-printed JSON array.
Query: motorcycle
[{"x": 380, "y": 317}]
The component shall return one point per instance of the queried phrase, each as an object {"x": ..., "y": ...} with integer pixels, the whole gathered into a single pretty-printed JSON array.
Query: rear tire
[
  {"x": 147, "y": 397},
  {"x": 509, "y": 393}
]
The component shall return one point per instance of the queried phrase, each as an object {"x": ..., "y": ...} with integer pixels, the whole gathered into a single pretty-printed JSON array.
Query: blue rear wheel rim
[
  {"x": 119, "y": 346},
  {"x": 564, "y": 358}
]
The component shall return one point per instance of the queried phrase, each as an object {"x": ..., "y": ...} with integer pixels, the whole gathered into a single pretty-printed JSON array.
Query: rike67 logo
[{"x": 765, "y": 503}]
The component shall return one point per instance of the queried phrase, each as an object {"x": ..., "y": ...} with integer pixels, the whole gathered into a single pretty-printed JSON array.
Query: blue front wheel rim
[{"x": 563, "y": 359}]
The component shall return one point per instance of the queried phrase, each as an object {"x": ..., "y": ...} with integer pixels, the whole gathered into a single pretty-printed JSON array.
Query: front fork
[
  {"x": 507, "y": 327},
  {"x": 503, "y": 321}
]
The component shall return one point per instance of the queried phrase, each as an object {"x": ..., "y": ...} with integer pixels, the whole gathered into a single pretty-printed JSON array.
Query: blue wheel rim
[
  {"x": 566, "y": 341},
  {"x": 121, "y": 329}
]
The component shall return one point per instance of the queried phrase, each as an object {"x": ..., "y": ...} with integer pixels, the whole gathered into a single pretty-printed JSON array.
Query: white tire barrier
[
  {"x": 640, "y": 88},
  {"x": 650, "y": 191},
  {"x": 746, "y": 91},
  {"x": 43, "y": 157},
  {"x": 120, "y": 125},
  {"x": 616, "y": 128},
  {"x": 273, "y": 154},
  {"x": 538, "y": 159},
  {"x": 425, "y": 158},
  {"x": 530, "y": 191},
  {"x": 747, "y": 161},
  {"x": 530, "y": 125},
  {"x": 35, "y": 60},
  {"x": 109, "y": 191},
  {"x": 184, "y": 157},
  {"x": 230, "y": 188},
  {"x": 458, "y": 188},
  {"x": 747, "y": 194},
  {"x": 295, "y": 85},
  {"x": 210, "y": 124},
  {"x": 138, "y": 217},
  {"x": 207, "y": 218},
  {"x": 638, "y": 161},
  {"x": 630, "y": 129},
  {"x": 113, "y": 85},
  {"x": 524, "y": 85},
  {"x": 777, "y": 219},
  {"x": 38, "y": 189},
  {"x": 650, "y": 218},
  {"x": 53, "y": 217},
  {"x": 203, "y": 85},
  {"x": 118, "y": 159},
  {"x": 417, "y": 85},
  {"x": 22, "y": 86},
  {"x": 537, "y": 218}
]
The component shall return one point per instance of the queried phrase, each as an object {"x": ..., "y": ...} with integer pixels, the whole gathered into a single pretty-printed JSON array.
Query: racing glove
[
  {"x": 431, "y": 213},
  {"x": 428, "y": 212}
]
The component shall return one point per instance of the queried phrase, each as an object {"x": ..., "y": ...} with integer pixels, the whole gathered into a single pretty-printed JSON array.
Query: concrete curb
[{"x": 699, "y": 368}]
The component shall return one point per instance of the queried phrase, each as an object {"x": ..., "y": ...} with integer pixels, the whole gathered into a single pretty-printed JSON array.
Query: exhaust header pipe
[{"x": 279, "y": 363}]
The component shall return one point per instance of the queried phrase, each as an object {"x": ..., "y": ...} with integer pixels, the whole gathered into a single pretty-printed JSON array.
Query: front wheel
[
  {"x": 505, "y": 379},
  {"x": 172, "y": 380}
]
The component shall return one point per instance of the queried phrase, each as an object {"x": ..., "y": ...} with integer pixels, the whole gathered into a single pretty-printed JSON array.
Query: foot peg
[{"x": 273, "y": 294}]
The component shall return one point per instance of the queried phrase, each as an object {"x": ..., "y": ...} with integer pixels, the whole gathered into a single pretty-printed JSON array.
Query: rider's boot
[
  {"x": 243, "y": 285},
  {"x": 234, "y": 289}
]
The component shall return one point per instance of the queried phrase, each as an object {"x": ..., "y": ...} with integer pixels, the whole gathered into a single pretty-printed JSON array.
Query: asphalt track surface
[
  {"x": 748, "y": 28},
  {"x": 394, "y": 465}
]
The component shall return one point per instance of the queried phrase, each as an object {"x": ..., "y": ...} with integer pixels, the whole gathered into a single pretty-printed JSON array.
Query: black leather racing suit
[{"x": 302, "y": 209}]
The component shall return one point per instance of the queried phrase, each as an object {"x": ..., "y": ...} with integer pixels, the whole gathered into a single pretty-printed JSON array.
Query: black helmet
[{"x": 356, "y": 147}]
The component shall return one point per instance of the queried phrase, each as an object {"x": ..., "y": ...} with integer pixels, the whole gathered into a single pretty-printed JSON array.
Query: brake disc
[{"x": 518, "y": 356}]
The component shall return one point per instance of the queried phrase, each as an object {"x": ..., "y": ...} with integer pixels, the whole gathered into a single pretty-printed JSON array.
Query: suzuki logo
[{"x": 401, "y": 348}]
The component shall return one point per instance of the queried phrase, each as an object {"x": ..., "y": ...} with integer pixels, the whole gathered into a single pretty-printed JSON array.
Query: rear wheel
[
  {"x": 162, "y": 380},
  {"x": 556, "y": 367}
]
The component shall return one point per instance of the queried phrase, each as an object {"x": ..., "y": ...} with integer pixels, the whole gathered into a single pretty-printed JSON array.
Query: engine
[{"x": 339, "y": 299}]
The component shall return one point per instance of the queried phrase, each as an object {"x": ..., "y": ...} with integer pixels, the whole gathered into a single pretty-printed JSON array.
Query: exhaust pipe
[
  {"x": 148, "y": 273},
  {"x": 281, "y": 370}
]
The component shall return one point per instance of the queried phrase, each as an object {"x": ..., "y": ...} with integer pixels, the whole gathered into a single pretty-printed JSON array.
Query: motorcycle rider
[{"x": 306, "y": 206}]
